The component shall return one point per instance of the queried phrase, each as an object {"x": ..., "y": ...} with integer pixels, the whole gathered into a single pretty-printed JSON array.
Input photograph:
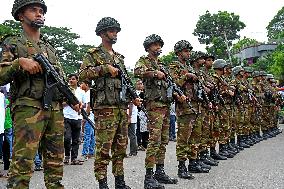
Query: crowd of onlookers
[{"x": 77, "y": 130}]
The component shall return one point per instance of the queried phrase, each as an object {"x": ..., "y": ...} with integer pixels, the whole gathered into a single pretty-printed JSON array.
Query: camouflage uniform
[
  {"x": 32, "y": 123},
  {"x": 158, "y": 106},
  {"x": 185, "y": 116},
  {"x": 110, "y": 110}
]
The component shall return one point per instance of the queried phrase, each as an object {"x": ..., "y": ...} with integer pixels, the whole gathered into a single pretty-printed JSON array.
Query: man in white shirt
[
  {"x": 89, "y": 133},
  {"x": 72, "y": 124}
]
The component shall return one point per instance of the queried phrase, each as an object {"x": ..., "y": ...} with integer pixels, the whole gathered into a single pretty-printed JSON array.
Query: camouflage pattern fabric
[
  {"x": 111, "y": 134},
  {"x": 110, "y": 112},
  {"x": 183, "y": 147},
  {"x": 31, "y": 126},
  {"x": 158, "y": 128}
]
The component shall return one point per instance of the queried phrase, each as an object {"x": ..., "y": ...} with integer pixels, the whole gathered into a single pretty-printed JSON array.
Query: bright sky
[{"x": 172, "y": 20}]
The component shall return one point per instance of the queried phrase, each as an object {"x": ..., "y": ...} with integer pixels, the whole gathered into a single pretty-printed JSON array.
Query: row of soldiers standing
[
  {"x": 211, "y": 108},
  {"x": 219, "y": 105}
]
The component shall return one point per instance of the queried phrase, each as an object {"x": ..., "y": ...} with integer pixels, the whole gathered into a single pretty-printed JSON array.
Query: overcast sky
[{"x": 172, "y": 20}]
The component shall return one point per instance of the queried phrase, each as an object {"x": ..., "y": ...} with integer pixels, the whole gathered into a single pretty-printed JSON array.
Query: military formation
[{"x": 216, "y": 103}]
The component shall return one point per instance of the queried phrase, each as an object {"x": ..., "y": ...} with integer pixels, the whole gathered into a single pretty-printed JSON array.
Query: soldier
[
  {"x": 223, "y": 110},
  {"x": 231, "y": 109},
  {"x": 109, "y": 103},
  {"x": 249, "y": 103},
  {"x": 211, "y": 117},
  {"x": 238, "y": 72},
  {"x": 200, "y": 102},
  {"x": 185, "y": 116},
  {"x": 273, "y": 98},
  {"x": 158, "y": 105},
  {"x": 257, "y": 118},
  {"x": 33, "y": 124}
]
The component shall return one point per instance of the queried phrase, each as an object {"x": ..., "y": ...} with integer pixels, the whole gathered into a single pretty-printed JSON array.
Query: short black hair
[
  {"x": 73, "y": 75},
  {"x": 88, "y": 82}
]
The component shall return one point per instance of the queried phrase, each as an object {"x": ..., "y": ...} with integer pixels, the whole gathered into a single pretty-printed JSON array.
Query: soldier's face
[
  {"x": 32, "y": 14},
  {"x": 200, "y": 61},
  {"x": 208, "y": 62},
  {"x": 185, "y": 54},
  {"x": 111, "y": 35},
  {"x": 155, "y": 49}
]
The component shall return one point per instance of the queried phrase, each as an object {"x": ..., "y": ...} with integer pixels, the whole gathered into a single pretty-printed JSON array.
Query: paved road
[{"x": 259, "y": 167}]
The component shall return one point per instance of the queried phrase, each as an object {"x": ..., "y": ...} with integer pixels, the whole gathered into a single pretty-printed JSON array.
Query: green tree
[
  {"x": 69, "y": 52},
  {"x": 242, "y": 43},
  {"x": 276, "y": 25},
  {"x": 169, "y": 58},
  {"x": 212, "y": 29}
]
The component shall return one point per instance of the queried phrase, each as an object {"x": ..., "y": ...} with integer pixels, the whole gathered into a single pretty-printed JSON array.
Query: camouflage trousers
[
  {"x": 213, "y": 123},
  {"x": 196, "y": 135},
  {"x": 248, "y": 114},
  {"x": 240, "y": 120},
  {"x": 273, "y": 117},
  {"x": 111, "y": 134},
  {"x": 206, "y": 131},
  {"x": 232, "y": 123},
  {"x": 158, "y": 127},
  {"x": 265, "y": 118},
  {"x": 31, "y": 127},
  {"x": 183, "y": 147},
  {"x": 223, "y": 115}
]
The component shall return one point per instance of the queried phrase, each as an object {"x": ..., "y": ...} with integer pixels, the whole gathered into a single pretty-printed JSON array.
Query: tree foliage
[
  {"x": 242, "y": 43},
  {"x": 276, "y": 25},
  {"x": 69, "y": 52},
  {"x": 169, "y": 58},
  {"x": 212, "y": 28}
]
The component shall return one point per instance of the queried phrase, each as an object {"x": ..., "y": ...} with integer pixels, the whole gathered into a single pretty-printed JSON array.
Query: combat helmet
[
  {"x": 19, "y": 4},
  {"x": 219, "y": 64},
  {"x": 248, "y": 69},
  {"x": 255, "y": 74},
  {"x": 106, "y": 23},
  {"x": 236, "y": 70},
  {"x": 182, "y": 44},
  {"x": 152, "y": 39},
  {"x": 196, "y": 55},
  {"x": 207, "y": 55},
  {"x": 262, "y": 73},
  {"x": 269, "y": 76}
]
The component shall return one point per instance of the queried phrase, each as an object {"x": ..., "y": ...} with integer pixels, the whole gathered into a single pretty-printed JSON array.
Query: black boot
[
  {"x": 233, "y": 146},
  {"x": 247, "y": 140},
  {"x": 223, "y": 151},
  {"x": 162, "y": 177},
  {"x": 259, "y": 136},
  {"x": 150, "y": 182},
  {"x": 215, "y": 155},
  {"x": 194, "y": 167},
  {"x": 205, "y": 158},
  {"x": 208, "y": 155},
  {"x": 120, "y": 183},
  {"x": 230, "y": 149},
  {"x": 241, "y": 142},
  {"x": 182, "y": 171},
  {"x": 103, "y": 184}
]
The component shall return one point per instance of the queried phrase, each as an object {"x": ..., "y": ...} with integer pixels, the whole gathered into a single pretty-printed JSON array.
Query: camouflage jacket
[
  {"x": 155, "y": 89},
  {"x": 107, "y": 91},
  {"x": 178, "y": 72},
  {"x": 26, "y": 89}
]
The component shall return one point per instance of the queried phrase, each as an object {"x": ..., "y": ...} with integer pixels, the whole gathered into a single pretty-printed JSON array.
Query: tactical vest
[
  {"x": 156, "y": 90},
  {"x": 25, "y": 84},
  {"x": 108, "y": 91}
]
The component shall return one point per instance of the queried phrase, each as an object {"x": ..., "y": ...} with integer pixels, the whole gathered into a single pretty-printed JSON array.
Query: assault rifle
[
  {"x": 127, "y": 85},
  {"x": 54, "y": 81},
  {"x": 174, "y": 87}
]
